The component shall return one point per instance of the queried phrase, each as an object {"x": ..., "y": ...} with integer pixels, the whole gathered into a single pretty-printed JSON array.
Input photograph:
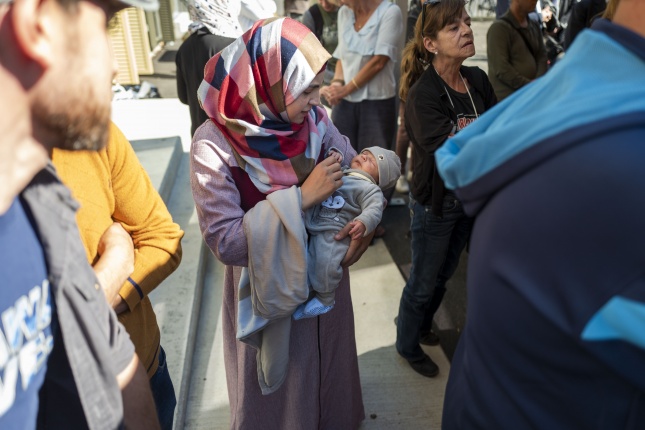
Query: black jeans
[{"x": 436, "y": 244}]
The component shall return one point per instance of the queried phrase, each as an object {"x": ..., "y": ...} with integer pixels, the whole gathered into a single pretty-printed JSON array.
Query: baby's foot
[{"x": 311, "y": 309}]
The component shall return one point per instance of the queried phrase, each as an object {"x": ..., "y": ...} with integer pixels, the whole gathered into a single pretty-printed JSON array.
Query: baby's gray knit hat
[{"x": 389, "y": 166}]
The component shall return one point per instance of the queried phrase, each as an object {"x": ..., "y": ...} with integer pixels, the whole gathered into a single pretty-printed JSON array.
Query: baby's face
[{"x": 366, "y": 162}]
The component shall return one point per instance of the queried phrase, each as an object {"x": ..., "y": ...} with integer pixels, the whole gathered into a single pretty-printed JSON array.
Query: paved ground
[{"x": 188, "y": 303}]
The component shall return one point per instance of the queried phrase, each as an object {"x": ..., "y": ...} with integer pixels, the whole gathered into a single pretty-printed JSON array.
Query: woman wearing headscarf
[
  {"x": 266, "y": 135},
  {"x": 442, "y": 96}
]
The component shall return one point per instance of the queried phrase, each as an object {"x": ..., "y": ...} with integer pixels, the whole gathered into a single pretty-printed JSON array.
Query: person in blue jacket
[{"x": 555, "y": 335}]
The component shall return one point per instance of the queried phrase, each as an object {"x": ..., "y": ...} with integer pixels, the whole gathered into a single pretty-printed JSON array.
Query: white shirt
[
  {"x": 379, "y": 36},
  {"x": 253, "y": 10}
]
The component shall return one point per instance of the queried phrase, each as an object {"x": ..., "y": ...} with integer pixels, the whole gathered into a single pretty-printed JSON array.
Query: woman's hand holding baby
[
  {"x": 356, "y": 247},
  {"x": 321, "y": 183},
  {"x": 335, "y": 155}
]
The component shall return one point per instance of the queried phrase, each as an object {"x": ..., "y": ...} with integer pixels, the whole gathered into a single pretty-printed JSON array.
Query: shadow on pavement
[{"x": 451, "y": 317}]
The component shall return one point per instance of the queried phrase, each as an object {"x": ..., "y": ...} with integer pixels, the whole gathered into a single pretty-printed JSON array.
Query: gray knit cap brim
[{"x": 389, "y": 166}]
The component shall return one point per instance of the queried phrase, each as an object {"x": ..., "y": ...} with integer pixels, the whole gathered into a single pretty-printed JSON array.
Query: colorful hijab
[{"x": 245, "y": 91}]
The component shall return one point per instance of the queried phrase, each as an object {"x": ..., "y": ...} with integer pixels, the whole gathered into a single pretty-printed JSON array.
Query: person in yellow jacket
[{"x": 132, "y": 243}]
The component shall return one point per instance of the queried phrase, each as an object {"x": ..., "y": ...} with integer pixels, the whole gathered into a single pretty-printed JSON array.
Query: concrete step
[
  {"x": 160, "y": 158},
  {"x": 153, "y": 119},
  {"x": 188, "y": 303},
  {"x": 178, "y": 299},
  {"x": 206, "y": 405},
  {"x": 159, "y": 130}
]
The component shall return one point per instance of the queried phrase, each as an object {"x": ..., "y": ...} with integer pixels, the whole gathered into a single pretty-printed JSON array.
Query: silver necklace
[
  {"x": 465, "y": 86},
  {"x": 359, "y": 26},
  {"x": 469, "y": 96}
]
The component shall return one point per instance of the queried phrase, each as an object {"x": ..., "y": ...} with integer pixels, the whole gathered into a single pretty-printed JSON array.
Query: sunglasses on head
[{"x": 423, "y": 12}]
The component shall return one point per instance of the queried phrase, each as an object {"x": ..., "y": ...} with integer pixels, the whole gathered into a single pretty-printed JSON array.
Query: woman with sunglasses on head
[{"x": 442, "y": 96}]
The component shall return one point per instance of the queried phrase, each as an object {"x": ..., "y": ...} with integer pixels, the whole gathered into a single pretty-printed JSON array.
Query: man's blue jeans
[
  {"x": 436, "y": 245},
  {"x": 163, "y": 393}
]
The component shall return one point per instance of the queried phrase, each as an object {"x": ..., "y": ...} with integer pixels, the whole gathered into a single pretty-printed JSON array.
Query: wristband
[
  {"x": 355, "y": 84},
  {"x": 340, "y": 81}
]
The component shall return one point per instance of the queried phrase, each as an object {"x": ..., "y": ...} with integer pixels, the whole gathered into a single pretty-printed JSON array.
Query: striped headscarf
[{"x": 245, "y": 91}]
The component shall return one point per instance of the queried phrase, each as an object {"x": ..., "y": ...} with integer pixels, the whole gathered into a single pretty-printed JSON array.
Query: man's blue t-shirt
[{"x": 26, "y": 319}]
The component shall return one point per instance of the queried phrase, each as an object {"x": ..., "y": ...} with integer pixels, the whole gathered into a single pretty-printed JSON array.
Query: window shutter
[
  {"x": 120, "y": 37},
  {"x": 139, "y": 39},
  {"x": 167, "y": 25}
]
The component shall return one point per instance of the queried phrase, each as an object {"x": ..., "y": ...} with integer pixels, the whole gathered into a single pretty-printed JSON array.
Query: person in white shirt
[
  {"x": 363, "y": 90},
  {"x": 253, "y": 10}
]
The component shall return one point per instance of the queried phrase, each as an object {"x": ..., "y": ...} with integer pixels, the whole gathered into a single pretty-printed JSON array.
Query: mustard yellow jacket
[{"x": 111, "y": 185}]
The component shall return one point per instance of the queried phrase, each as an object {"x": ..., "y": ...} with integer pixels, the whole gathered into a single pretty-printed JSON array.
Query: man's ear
[{"x": 34, "y": 24}]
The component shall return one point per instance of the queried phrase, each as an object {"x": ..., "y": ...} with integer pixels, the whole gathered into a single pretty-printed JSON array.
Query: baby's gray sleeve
[{"x": 371, "y": 208}]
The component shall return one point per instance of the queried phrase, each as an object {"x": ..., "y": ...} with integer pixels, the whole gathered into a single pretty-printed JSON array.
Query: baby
[{"x": 359, "y": 201}]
